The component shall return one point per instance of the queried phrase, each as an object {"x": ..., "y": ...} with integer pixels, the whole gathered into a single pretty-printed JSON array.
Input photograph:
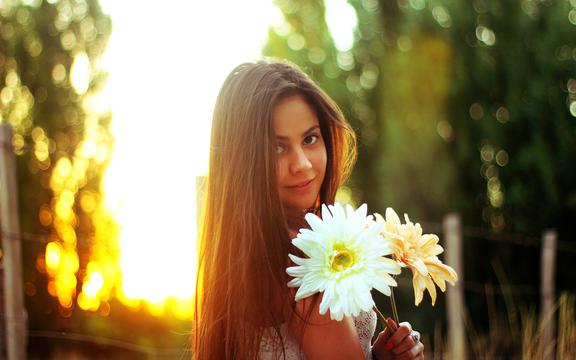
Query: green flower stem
[
  {"x": 383, "y": 320},
  {"x": 394, "y": 310}
]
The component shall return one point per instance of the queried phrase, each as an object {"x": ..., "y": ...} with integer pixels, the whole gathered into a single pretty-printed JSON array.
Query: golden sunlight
[{"x": 165, "y": 66}]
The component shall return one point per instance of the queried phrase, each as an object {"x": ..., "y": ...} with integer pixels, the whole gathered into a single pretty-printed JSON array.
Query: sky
[{"x": 166, "y": 61}]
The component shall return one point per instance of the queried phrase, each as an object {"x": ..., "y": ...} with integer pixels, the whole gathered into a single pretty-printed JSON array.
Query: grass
[{"x": 519, "y": 332}]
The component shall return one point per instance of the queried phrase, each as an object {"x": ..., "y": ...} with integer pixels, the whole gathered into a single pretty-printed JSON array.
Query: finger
[
  {"x": 391, "y": 324},
  {"x": 400, "y": 334},
  {"x": 379, "y": 347},
  {"x": 417, "y": 352},
  {"x": 420, "y": 349},
  {"x": 383, "y": 337},
  {"x": 406, "y": 345},
  {"x": 389, "y": 331},
  {"x": 406, "y": 324}
]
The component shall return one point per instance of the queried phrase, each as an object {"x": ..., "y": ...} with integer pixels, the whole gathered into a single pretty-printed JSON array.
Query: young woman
[{"x": 280, "y": 147}]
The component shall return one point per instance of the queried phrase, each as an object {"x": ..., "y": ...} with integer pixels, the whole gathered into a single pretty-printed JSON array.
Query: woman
[{"x": 280, "y": 147}]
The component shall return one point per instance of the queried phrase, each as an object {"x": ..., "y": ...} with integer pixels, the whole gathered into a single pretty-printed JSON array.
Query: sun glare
[
  {"x": 342, "y": 21},
  {"x": 165, "y": 63}
]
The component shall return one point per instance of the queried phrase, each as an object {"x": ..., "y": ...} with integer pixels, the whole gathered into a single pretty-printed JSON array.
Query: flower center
[{"x": 343, "y": 259}]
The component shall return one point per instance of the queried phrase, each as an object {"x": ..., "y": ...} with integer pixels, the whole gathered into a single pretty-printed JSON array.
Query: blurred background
[{"x": 465, "y": 110}]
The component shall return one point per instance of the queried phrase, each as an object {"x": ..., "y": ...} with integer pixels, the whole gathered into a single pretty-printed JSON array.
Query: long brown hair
[{"x": 244, "y": 242}]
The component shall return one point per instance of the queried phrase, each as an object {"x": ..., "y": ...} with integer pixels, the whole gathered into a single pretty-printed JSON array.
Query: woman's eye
[
  {"x": 311, "y": 139},
  {"x": 279, "y": 149}
]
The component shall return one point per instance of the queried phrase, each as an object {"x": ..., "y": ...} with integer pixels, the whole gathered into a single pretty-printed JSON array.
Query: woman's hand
[{"x": 400, "y": 345}]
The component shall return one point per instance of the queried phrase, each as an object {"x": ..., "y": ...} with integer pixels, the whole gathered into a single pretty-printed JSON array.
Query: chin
[{"x": 302, "y": 205}]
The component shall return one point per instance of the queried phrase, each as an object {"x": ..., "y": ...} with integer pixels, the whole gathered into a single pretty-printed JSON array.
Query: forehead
[{"x": 293, "y": 115}]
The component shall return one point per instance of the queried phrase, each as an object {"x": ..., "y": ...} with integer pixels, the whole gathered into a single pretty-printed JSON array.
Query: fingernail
[{"x": 389, "y": 345}]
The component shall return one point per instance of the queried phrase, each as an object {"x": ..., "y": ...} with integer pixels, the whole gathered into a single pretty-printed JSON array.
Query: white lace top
[{"x": 269, "y": 350}]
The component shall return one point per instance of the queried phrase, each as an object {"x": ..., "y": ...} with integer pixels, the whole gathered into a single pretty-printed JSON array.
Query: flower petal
[
  {"x": 389, "y": 266},
  {"x": 383, "y": 283},
  {"x": 296, "y": 282},
  {"x": 315, "y": 223},
  {"x": 418, "y": 265},
  {"x": 297, "y": 271},
  {"x": 326, "y": 300},
  {"x": 308, "y": 288},
  {"x": 419, "y": 285},
  {"x": 431, "y": 289},
  {"x": 391, "y": 217}
]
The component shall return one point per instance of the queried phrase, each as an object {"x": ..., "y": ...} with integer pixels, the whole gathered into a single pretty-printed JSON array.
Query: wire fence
[
  {"x": 152, "y": 352},
  {"x": 468, "y": 232},
  {"x": 469, "y": 286}
]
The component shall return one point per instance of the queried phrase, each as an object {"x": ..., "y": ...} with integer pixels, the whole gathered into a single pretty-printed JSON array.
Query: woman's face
[{"x": 301, "y": 153}]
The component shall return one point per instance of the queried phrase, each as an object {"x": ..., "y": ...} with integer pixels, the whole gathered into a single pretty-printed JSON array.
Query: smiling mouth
[{"x": 301, "y": 185}]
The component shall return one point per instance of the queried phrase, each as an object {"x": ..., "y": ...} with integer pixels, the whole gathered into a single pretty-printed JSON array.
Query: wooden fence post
[
  {"x": 14, "y": 313},
  {"x": 455, "y": 294},
  {"x": 547, "y": 293},
  {"x": 2, "y": 317}
]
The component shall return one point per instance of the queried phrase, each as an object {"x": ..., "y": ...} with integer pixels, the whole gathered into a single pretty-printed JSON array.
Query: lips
[{"x": 302, "y": 185}]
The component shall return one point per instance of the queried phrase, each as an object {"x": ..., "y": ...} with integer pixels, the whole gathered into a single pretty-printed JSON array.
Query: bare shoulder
[{"x": 323, "y": 338}]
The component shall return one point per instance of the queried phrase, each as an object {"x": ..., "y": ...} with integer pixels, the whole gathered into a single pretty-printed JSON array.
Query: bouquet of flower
[{"x": 349, "y": 253}]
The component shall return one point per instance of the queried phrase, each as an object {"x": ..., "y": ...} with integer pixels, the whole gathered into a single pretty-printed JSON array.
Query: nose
[{"x": 300, "y": 161}]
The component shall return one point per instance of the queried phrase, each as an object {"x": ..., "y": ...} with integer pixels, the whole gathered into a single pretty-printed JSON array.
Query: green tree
[
  {"x": 464, "y": 106},
  {"x": 403, "y": 161},
  {"x": 49, "y": 77},
  {"x": 513, "y": 88}
]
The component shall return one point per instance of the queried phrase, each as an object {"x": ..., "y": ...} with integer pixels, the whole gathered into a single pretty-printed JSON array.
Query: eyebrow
[{"x": 303, "y": 135}]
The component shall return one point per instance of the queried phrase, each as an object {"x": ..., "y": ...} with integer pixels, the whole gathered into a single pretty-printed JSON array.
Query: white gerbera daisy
[{"x": 345, "y": 260}]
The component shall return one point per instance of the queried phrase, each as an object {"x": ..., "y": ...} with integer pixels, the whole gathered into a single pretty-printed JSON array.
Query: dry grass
[
  {"x": 566, "y": 348},
  {"x": 538, "y": 344},
  {"x": 521, "y": 334}
]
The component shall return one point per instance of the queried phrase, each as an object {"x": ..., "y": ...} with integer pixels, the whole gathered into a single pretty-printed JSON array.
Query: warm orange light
[
  {"x": 153, "y": 199},
  {"x": 52, "y": 257},
  {"x": 149, "y": 261}
]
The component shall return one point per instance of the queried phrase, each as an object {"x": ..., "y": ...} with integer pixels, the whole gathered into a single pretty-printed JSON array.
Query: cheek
[
  {"x": 281, "y": 171},
  {"x": 320, "y": 161}
]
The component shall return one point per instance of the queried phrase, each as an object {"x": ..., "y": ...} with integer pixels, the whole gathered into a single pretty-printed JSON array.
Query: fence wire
[
  {"x": 184, "y": 352},
  {"x": 100, "y": 340},
  {"x": 469, "y": 232}
]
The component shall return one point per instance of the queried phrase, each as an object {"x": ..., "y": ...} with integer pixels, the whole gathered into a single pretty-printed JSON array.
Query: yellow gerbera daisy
[{"x": 420, "y": 253}]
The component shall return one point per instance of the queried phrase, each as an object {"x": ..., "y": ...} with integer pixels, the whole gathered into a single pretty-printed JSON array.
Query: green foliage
[
  {"x": 60, "y": 140},
  {"x": 403, "y": 162},
  {"x": 515, "y": 61},
  {"x": 470, "y": 107},
  {"x": 305, "y": 40}
]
